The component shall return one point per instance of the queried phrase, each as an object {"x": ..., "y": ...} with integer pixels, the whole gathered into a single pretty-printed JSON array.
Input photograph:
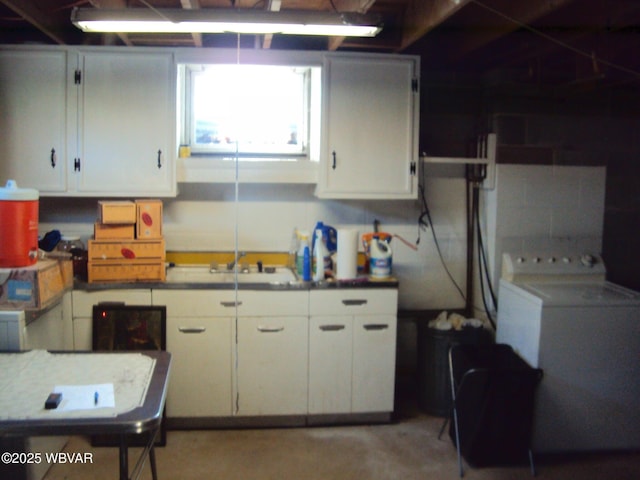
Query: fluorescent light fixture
[{"x": 142, "y": 20}]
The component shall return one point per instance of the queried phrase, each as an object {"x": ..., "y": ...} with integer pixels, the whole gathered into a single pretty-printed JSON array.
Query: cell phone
[{"x": 53, "y": 400}]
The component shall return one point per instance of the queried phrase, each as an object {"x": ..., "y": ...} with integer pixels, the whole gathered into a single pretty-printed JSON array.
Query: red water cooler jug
[{"x": 18, "y": 226}]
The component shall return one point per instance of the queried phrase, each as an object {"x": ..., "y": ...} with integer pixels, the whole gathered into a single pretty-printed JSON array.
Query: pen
[{"x": 95, "y": 398}]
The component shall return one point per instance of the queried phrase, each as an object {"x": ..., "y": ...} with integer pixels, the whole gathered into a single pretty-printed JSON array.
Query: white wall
[
  {"x": 545, "y": 208},
  {"x": 203, "y": 218},
  {"x": 532, "y": 207}
]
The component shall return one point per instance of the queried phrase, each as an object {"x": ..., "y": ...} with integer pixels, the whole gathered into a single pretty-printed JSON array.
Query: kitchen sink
[{"x": 204, "y": 274}]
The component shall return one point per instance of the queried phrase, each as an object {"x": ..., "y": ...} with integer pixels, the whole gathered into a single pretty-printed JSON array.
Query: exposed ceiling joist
[
  {"x": 361, "y": 6},
  {"x": 193, "y": 5},
  {"x": 41, "y": 20},
  {"x": 500, "y": 18},
  {"x": 500, "y": 40},
  {"x": 420, "y": 17}
]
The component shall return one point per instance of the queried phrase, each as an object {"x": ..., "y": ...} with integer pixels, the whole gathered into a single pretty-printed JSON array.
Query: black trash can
[
  {"x": 494, "y": 405},
  {"x": 432, "y": 369}
]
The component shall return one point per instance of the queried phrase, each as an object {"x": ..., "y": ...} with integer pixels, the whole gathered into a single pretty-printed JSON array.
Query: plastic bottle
[
  {"x": 318, "y": 257},
  {"x": 303, "y": 241},
  {"x": 306, "y": 264},
  {"x": 293, "y": 250},
  {"x": 380, "y": 259}
]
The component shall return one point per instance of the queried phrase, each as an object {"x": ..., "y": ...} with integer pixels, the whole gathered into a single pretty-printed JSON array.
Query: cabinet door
[
  {"x": 33, "y": 98},
  {"x": 127, "y": 128},
  {"x": 370, "y": 128},
  {"x": 272, "y": 365},
  {"x": 374, "y": 360},
  {"x": 330, "y": 339},
  {"x": 200, "y": 368},
  {"x": 47, "y": 331}
]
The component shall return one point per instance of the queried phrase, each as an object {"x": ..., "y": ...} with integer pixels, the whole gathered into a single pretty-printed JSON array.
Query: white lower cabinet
[
  {"x": 236, "y": 353},
  {"x": 199, "y": 338},
  {"x": 272, "y": 352},
  {"x": 330, "y": 364},
  {"x": 374, "y": 360},
  {"x": 352, "y": 345},
  {"x": 272, "y": 365},
  {"x": 255, "y": 353},
  {"x": 82, "y": 308}
]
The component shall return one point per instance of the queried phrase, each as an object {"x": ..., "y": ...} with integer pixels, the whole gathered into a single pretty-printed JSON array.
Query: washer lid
[{"x": 582, "y": 294}]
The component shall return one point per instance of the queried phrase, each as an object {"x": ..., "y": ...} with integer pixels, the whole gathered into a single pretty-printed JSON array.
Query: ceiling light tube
[{"x": 140, "y": 20}]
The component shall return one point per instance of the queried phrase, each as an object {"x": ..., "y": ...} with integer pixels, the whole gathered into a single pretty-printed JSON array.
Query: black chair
[{"x": 493, "y": 393}]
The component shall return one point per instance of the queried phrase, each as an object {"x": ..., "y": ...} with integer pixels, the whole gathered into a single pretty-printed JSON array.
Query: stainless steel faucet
[{"x": 232, "y": 263}]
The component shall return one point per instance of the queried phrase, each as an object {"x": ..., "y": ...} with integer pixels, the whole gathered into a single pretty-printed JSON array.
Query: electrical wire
[
  {"x": 429, "y": 223},
  {"x": 589, "y": 55},
  {"x": 482, "y": 264}
]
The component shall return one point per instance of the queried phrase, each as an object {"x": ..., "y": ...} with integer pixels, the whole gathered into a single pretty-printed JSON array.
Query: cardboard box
[
  {"x": 123, "y": 250},
  {"x": 116, "y": 211},
  {"x": 36, "y": 286},
  {"x": 115, "y": 231},
  {"x": 148, "y": 219}
]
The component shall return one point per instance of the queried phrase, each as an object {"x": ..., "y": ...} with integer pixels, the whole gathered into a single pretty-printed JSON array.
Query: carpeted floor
[{"x": 407, "y": 449}]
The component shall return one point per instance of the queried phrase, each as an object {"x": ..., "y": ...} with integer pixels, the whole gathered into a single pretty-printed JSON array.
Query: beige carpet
[{"x": 408, "y": 449}]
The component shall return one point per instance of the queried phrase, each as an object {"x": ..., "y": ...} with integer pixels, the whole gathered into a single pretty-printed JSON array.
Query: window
[{"x": 258, "y": 112}]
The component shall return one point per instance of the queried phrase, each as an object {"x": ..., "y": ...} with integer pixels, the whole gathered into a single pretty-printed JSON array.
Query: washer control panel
[{"x": 552, "y": 266}]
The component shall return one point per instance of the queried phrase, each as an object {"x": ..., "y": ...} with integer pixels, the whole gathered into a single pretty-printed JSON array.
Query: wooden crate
[
  {"x": 120, "y": 251},
  {"x": 149, "y": 219},
  {"x": 114, "y": 231},
  {"x": 116, "y": 211},
  {"x": 132, "y": 271}
]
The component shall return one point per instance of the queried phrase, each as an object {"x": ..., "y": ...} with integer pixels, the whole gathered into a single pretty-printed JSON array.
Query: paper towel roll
[{"x": 347, "y": 264}]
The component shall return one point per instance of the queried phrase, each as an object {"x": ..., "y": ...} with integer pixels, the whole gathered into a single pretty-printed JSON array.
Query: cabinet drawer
[
  {"x": 195, "y": 303},
  {"x": 270, "y": 303},
  {"x": 83, "y": 302},
  {"x": 205, "y": 303},
  {"x": 353, "y": 301}
]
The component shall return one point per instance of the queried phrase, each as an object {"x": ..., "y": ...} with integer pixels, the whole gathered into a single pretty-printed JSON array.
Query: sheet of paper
[{"x": 86, "y": 397}]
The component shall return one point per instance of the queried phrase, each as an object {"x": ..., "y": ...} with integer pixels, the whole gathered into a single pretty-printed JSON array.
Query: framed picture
[{"x": 120, "y": 327}]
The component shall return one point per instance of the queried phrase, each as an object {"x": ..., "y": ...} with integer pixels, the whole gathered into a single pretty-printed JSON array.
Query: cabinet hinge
[
  {"x": 414, "y": 85},
  {"x": 77, "y": 78},
  {"x": 412, "y": 168}
]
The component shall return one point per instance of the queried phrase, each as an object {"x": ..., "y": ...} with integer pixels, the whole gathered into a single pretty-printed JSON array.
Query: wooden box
[
  {"x": 115, "y": 231},
  {"x": 132, "y": 271},
  {"x": 36, "y": 286},
  {"x": 148, "y": 219},
  {"x": 116, "y": 211},
  {"x": 120, "y": 251}
]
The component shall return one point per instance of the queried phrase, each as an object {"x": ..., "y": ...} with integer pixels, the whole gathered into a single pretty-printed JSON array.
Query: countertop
[{"x": 360, "y": 282}]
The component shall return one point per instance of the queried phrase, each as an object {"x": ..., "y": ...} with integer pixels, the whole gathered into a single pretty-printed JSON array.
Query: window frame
[{"x": 222, "y": 156}]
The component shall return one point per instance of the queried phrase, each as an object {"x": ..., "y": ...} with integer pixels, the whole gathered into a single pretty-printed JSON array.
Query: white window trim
[{"x": 216, "y": 169}]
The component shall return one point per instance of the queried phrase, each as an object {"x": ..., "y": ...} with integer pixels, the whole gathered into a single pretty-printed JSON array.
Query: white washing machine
[{"x": 559, "y": 314}]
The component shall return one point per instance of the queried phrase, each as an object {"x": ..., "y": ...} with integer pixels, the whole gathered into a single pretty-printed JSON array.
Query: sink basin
[{"x": 202, "y": 274}]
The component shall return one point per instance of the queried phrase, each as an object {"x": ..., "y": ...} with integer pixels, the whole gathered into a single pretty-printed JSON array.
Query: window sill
[{"x": 201, "y": 170}]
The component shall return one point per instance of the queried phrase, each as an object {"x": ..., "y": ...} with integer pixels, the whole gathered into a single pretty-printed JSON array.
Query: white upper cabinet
[
  {"x": 370, "y": 127},
  {"x": 33, "y": 103},
  {"x": 127, "y": 133}
]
